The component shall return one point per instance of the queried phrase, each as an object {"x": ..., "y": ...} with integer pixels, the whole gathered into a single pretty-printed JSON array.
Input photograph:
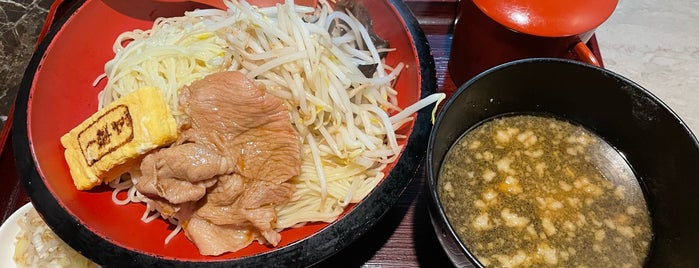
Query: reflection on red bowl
[{"x": 57, "y": 94}]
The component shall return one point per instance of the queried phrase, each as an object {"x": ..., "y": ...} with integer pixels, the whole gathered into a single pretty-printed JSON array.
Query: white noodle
[{"x": 178, "y": 228}]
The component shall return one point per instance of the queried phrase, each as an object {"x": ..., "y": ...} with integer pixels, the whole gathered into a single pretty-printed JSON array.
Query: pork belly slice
[{"x": 236, "y": 152}]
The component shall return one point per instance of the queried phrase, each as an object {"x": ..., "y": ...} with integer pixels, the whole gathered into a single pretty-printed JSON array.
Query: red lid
[{"x": 550, "y": 18}]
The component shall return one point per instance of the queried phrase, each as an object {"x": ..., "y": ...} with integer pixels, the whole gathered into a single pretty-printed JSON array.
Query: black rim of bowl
[
  {"x": 432, "y": 175},
  {"x": 305, "y": 252}
]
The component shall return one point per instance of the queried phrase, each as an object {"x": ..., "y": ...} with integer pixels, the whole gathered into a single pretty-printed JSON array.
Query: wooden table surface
[{"x": 404, "y": 237}]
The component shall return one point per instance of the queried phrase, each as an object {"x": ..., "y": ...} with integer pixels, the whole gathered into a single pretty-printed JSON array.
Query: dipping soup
[{"x": 525, "y": 190}]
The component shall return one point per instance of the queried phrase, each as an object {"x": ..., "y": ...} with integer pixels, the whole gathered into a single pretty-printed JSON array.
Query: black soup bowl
[{"x": 660, "y": 149}]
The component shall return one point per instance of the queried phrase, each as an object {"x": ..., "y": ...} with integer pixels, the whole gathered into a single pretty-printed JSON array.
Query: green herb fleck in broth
[{"x": 527, "y": 191}]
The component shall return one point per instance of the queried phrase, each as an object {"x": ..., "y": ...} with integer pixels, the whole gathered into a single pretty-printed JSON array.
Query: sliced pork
[
  {"x": 236, "y": 152},
  {"x": 263, "y": 193},
  {"x": 227, "y": 190},
  {"x": 189, "y": 161},
  {"x": 251, "y": 126},
  {"x": 180, "y": 173},
  {"x": 212, "y": 239}
]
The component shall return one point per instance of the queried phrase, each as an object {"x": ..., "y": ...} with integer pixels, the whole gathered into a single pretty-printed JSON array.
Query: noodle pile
[{"x": 310, "y": 58}]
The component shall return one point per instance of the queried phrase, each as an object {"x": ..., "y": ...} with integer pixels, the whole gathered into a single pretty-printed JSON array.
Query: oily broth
[{"x": 529, "y": 190}]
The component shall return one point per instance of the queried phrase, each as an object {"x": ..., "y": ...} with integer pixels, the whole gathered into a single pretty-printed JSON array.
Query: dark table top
[{"x": 20, "y": 23}]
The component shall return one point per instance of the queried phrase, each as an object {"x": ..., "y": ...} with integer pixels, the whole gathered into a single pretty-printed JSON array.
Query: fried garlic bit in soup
[{"x": 531, "y": 191}]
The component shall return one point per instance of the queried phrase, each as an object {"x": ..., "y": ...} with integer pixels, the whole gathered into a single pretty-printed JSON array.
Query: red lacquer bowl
[{"x": 57, "y": 94}]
